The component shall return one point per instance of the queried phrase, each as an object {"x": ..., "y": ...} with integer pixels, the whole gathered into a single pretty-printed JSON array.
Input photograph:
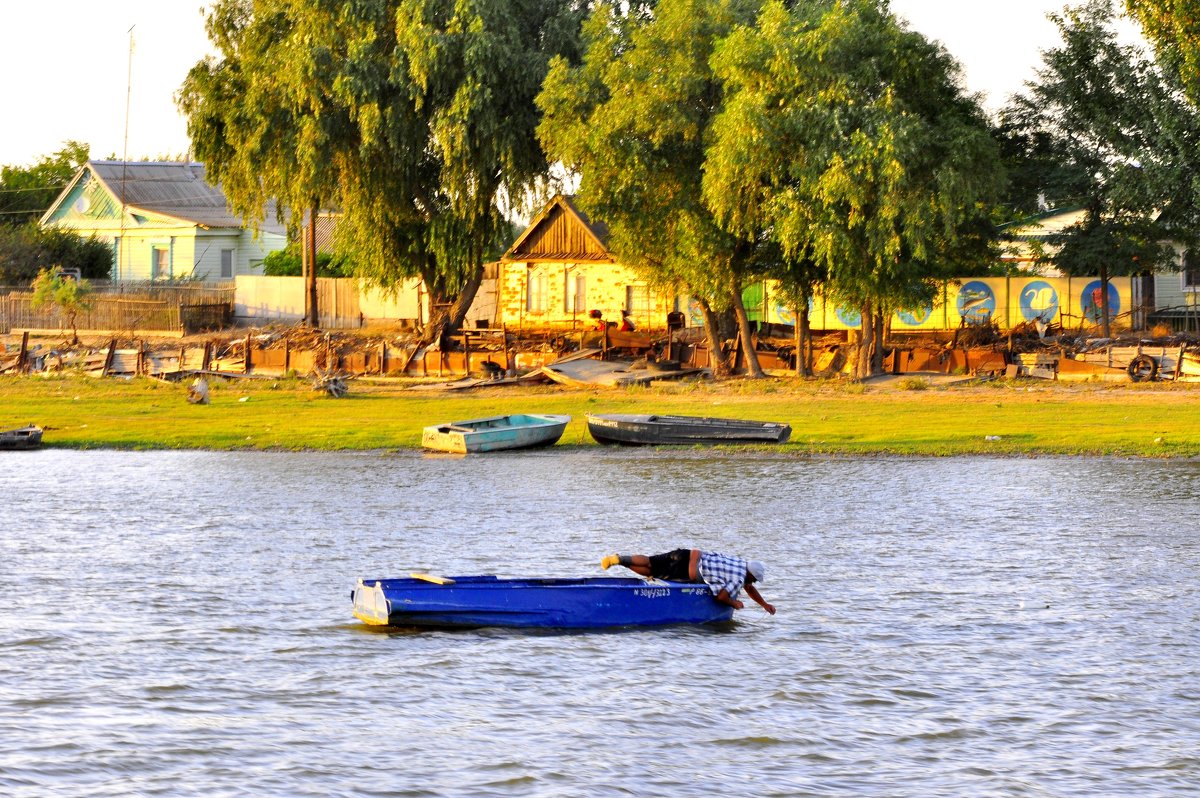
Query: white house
[{"x": 164, "y": 222}]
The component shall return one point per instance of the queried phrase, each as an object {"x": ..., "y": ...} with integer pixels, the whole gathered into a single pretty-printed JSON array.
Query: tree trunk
[
  {"x": 799, "y": 351},
  {"x": 804, "y": 349},
  {"x": 877, "y": 345},
  {"x": 310, "y": 246},
  {"x": 866, "y": 343},
  {"x": 1105, "y": 321},
  {"x": 753, "y": 368},
  {"x": 718, "y": 362},
  {"x": 446, "y": 311}
]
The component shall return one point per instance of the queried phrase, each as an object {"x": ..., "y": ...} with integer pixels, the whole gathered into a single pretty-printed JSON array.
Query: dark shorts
[{"x": 672, "y": 566}]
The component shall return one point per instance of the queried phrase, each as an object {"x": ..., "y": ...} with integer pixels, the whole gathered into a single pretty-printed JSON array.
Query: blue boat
[
  {"x": 588, "y": 603},
  {"x": 517, "y": 431}
]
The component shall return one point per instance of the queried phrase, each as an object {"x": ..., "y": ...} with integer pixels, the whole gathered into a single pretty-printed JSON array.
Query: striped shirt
[{"x": 722, "y": 572}]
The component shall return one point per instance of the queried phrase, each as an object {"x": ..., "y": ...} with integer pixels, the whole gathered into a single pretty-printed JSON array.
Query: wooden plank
[
  {"x": 437, "y": 580},
  {"x": 108, "y": 359}
]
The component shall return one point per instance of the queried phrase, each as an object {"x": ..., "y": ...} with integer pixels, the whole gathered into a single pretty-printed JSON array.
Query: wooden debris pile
[{"x": 500, "y": 357}]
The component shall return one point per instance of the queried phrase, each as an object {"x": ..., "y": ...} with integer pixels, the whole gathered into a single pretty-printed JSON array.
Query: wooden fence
[{"x": 127, "y": 308}]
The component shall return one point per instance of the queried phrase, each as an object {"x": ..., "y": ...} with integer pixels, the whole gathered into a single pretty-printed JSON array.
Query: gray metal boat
[{"x": 653, "y": 430}]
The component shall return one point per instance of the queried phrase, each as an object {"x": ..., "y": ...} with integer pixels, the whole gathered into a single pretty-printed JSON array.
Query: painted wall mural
[
  {"x": 1091, "y": 301},
  {"x": 1006, "y": 301},
  {"x": 1039, "y": 302},
  {"x": 976, "y": 302}
]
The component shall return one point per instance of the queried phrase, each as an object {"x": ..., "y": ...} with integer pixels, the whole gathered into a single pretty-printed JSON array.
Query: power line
[
  {"x": 24, "y": 213},
  {"x": 58, "y": 187}
]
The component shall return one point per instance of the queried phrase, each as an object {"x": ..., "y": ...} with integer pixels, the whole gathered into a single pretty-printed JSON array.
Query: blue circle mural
[
  {"x": 1093, "y": 307},
  {"x": 695, "y": 313},
  {"x": 784, "y": 313},
  {"x": 1039, "y": 300},
  {"x": 976, "y": 302},
  {"x": 914, "y": 318},
  {"x": 849, "y": 317}
]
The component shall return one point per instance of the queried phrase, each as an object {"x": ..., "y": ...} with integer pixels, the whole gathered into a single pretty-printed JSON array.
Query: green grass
[{"x": 827, "y": 418}]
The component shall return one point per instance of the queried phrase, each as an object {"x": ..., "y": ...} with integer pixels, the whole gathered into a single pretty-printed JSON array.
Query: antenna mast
[{"x": 125, "y": 151}]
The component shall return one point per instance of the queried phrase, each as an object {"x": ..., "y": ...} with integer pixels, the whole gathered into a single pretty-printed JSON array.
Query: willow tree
[
  {"x": 632, "y": 120},
  {"x": 848, "y": 140},
  {"x": 415, "y": 118},
  {"x": 1173, "y": 26},
  {"x": 260, "y": 114}
]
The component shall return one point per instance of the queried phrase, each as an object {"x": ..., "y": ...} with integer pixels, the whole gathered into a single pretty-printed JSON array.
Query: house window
[
  {"x": 1191, "y": 271},
  {"x": 160, "y": 263},
  {"x": 535, "y": 292},
  {"x": 574, "y": 293},
  {"x": 637, "y": 297},
  {"x": 226, "y": 263}
]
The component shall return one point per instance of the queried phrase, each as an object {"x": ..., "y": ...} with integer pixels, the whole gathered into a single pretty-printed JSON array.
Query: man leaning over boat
[{"x": 724, "y": 574}]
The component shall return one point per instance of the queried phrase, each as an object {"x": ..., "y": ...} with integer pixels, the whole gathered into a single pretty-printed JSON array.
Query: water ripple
[{"x": 946, "y": 628}]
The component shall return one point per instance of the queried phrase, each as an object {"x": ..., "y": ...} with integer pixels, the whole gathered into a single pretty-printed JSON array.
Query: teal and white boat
[{"x": 519, "y": 431}]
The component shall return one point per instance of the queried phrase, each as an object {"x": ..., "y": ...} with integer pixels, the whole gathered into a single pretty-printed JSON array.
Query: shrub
[
  {"x": 67, "y": 293},
  {"x": 24, "y": 251}
]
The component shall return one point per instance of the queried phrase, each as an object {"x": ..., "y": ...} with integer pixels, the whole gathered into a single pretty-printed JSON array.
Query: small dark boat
[
  {"x": 653, "y": 430},
  {"x": 590, "y": 603},
  {"x": 27, "y": 437}
]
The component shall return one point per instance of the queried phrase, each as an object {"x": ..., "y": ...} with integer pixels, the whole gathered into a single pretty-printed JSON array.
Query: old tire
[{"x": 1143, "y": 368}]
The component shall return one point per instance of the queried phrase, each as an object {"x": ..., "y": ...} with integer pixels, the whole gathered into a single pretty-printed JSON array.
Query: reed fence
[{"x": 123, "y": 307}]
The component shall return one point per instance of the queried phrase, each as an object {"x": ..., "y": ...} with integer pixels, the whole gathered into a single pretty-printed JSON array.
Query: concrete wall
[{"x": 342, "y": 302}]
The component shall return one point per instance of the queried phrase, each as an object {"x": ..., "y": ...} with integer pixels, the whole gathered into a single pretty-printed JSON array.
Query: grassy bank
[{"x": 1009, "y": 418}]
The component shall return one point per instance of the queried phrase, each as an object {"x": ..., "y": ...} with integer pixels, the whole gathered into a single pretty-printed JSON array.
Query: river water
[{"x": 178, "y": 624}]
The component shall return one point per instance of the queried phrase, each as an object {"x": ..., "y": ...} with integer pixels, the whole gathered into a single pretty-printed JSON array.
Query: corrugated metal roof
[{"x": 176, "y": 189}]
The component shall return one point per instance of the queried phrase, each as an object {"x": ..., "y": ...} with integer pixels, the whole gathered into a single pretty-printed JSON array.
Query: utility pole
[{"x": 125, "y": 154}]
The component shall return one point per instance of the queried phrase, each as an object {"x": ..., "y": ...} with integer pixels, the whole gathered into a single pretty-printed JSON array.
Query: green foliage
[
  {"x": 289, "y": 263},
  {"x": 632, "y": 119},
  {"x": 26, "y": 250},
  {"x": 26, "y": 192},
  {"x": 66, "y": 293},
  {"x": 1118, "y": 247},
  {"x": 1173, "y": 26},
  {"x": 847, "y": 139},
  {"x": 809, "y": 141}
]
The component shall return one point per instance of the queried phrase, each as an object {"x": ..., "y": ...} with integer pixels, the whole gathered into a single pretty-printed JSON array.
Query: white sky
[{"x": 65, "y": 66}]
